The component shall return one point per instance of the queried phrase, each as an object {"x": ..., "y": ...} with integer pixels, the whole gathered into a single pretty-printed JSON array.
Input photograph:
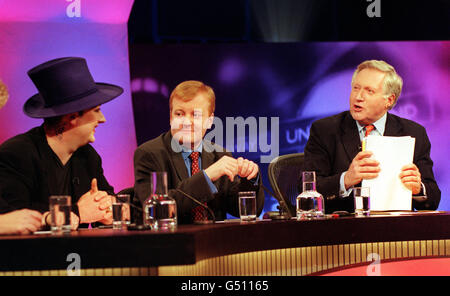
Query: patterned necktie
[
  {"x": 369, "y": 128},
  {"x": 194, "y": 163},
  {"x": 198, "y": 212}
]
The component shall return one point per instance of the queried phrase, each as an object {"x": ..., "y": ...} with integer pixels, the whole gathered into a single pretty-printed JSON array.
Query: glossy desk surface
[{"x": 190, "y": 243}]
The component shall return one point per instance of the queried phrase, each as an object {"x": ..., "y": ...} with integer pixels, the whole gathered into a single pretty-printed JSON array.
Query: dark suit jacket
[
  {"x": 157, "y": 155},
  {"x": 334, "y": 142},
  {"x": 23, "y": 173}
]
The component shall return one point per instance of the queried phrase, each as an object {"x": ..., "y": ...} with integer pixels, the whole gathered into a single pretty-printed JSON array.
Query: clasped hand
[
  {"x": 230, "y": 167},
  {"x": 95, "y": 205},
  {"x": 364, "y": 167}
]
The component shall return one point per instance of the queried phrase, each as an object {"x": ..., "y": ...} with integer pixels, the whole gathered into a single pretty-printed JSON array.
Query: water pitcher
[
  {"x": 309, "y": 202},
  {"x": 160, "y": 210}
]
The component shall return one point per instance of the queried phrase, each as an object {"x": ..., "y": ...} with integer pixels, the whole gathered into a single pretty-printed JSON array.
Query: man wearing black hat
[{"x": 56, "y": 158}]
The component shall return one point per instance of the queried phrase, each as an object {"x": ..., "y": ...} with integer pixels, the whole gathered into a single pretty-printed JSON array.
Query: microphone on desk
[
  {"x": 282, "y": 207},
  {"x": 202, "y": 205},
  {"x": 188, "y": 196}
]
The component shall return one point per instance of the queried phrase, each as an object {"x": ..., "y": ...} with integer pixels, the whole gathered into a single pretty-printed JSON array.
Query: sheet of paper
[{"x": 387, "y": 192}]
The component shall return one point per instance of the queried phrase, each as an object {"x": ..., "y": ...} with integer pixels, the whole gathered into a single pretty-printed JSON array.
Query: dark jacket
[
  {"x": 157, "y": 155},
  {"x": 23, "y": 172},
  {"x": 334, "y": 142}
]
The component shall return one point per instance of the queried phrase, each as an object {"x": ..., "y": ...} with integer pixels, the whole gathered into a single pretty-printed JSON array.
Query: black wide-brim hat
[{"x": 65, "y": 86}]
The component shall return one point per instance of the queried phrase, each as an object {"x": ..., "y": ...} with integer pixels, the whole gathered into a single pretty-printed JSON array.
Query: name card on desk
[{"x": 387, "y": 192}]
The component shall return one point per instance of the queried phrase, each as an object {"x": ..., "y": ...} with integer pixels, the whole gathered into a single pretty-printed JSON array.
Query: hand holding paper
[
  {"x": 411, "y": 178},
  {"x": 362, "y": 167},
  {"x": 391, "y": 190}
]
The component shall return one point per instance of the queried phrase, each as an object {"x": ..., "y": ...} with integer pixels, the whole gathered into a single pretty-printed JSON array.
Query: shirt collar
[
  {"x": 185, "y": 152},
  {"x": 380, "y": 124}
]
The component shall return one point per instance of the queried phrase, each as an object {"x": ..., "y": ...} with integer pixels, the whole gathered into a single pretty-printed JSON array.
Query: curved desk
[{"x": 232, "y": 248}]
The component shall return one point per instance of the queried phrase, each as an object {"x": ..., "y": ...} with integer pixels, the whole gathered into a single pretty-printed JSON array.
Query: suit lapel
[
  {"x": 393, "y": 128},
  {"x": 350, "y": 137},
  {"x": 176, "y": 158},
  {"x": 207, "y": 157},
  {"x": 180, "y": 166}
]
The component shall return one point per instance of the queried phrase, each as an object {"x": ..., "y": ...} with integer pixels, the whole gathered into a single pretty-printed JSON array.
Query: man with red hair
[{"x": 213, "y": 176}]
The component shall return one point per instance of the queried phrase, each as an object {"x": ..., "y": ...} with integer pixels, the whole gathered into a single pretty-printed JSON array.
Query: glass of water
[
  {"x": 362, "y": 201},
  {"x": 247, "y": 206},
  {"x": 120, "y": 210},
  {"x": 60, "y": 208}
]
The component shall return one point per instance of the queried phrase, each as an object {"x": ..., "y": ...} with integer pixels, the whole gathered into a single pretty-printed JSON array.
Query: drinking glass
[
  {"x": 362, "y": 201},
  {"x": 247, "y": 206},
  {"x": 120, "y": 210},
  {"x": 60, "y": 208}
]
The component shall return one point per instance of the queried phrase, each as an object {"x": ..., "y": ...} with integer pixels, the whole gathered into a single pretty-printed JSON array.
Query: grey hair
[{"x": 392, "y": 84}]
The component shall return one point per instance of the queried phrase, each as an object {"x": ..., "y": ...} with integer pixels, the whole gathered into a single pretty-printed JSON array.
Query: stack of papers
[{"x": 387, "y": 192}]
